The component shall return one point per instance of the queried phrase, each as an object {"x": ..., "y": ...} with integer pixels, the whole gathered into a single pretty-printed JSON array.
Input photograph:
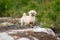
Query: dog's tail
[{"x": 24, "y": 14}]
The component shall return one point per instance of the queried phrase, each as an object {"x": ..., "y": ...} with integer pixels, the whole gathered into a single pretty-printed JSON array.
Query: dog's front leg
[
  {"x": 21, "y": 23},
  {"x": 33, "y": 23},
  {"x": 25, "y": 24}
]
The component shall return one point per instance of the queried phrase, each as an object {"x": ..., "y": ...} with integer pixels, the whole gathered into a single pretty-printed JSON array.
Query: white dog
[{"x": 26, "y": 20}]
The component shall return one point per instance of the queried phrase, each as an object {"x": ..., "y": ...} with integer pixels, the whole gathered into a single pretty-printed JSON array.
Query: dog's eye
[{"x": 32, "y": 13}]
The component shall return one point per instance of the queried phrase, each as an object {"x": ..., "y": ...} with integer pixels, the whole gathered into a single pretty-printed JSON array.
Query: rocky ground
[
  {"x": 26, "y": 34},
  {"x": 23, "y": 33},
  {"x": 35, "y": 36},
  {"x": 17, "y": 32}
]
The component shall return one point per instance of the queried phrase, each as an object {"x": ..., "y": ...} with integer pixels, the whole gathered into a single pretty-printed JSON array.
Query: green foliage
[{"x": 48, "y": 11}]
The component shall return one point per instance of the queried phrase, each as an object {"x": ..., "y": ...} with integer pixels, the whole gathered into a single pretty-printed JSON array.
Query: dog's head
[{"x": 32, "y": 13}]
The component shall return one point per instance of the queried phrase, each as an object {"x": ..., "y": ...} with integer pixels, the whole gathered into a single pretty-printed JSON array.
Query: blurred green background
[{"x": 48, "y": 11}]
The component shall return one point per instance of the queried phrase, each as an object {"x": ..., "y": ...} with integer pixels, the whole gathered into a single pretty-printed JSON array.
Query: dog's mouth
[{"x": 32, "y": 14}]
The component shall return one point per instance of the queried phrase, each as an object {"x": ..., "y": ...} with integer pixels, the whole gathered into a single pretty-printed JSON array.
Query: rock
[
  {"x": 5, "y": 18},
  {"x": 35, "y": 33},
  {"x": 50, "y": 31},
  {"x": 5, "y": 36},
  {"x": 6, "y": 24},
  {"x": 35, "y": 38},
  {"x": 23, "y": 38},
  {"x": 26, "y": 35},
  {"x": 46, "y": 30}
]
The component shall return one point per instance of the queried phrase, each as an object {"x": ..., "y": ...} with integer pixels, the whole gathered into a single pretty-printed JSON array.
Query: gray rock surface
[{"x": 5, "y": 36}]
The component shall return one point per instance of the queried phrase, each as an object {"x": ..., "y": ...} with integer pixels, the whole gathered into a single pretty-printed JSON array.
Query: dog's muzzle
[{"x": 33, "y": 14}]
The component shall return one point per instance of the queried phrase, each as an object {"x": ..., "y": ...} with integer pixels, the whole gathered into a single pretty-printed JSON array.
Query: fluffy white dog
[{"x": 26, "y": 20}]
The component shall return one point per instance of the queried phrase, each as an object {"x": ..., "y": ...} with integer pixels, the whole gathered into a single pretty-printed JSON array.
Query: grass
[{"x": 48, "y": 11}]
